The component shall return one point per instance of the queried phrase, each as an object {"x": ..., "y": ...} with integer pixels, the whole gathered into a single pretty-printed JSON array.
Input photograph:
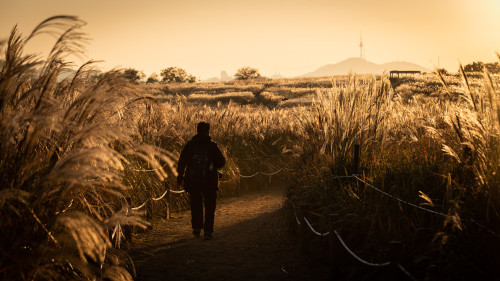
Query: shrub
[
  {"x": 153, "y": 79},
  {"x": 134, "y": 75},
  {"x": 478, "y": 66},
  {"x": 246, "y": 73},
  {"x": 176, "y": 75}
]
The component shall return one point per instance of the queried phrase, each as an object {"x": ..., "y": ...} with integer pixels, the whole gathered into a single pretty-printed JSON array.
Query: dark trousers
[{"x": 197, "y": 199}]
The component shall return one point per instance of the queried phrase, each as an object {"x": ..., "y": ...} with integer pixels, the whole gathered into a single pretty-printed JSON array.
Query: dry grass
[
  {"x": 413, "y": 147},
  {"x": 433, "y": 151},
  {"x": 77, "y": 151},
  {"x": 64, "y": 150},
  {"x": 434, "y": 144}
]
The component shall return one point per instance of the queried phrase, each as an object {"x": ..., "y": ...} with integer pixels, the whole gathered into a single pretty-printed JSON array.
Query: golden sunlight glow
[{"x": 277, "y": 37}]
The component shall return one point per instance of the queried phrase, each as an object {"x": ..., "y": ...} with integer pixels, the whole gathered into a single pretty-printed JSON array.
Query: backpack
[{"x": 198, "y": 166}]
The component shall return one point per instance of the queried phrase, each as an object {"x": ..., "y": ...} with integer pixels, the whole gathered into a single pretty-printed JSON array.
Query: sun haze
[{"x": 290, "y": 37}]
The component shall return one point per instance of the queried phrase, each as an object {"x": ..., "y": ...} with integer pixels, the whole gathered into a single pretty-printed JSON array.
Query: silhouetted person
[{"x": 197, "y": 168}]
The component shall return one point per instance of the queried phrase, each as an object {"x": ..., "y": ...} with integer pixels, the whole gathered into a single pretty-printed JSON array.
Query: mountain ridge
[{"x": 362, "y": 66}]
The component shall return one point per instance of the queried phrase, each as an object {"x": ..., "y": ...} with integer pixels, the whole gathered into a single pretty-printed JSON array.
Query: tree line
[{"x": 179, "y": 75}]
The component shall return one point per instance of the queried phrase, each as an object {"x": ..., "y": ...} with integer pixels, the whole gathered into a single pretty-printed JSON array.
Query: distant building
[
  {"x": 395, "y": 73},
  {"x": 224, "y": 76}
]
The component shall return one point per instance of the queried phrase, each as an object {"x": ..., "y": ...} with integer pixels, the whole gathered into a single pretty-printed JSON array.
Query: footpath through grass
[{"x": 251, "y": 241}]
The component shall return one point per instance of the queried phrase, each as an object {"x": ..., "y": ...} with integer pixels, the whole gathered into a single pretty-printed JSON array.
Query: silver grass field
[{"x": 79, "y": 147}]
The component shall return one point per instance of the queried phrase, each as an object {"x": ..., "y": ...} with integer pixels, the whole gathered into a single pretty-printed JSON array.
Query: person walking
[{"x": 198, "y": 173}]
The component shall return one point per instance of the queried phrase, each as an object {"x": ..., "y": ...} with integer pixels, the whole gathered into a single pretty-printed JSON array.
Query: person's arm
[
  {"x": 181, "y": 164},
  {"x": 219, "y": 160}
]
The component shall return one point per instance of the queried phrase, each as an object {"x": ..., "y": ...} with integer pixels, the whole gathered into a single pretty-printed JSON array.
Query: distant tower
[
  {"x": 361, "y": 45},
  {"x": 224, "y": 76}
]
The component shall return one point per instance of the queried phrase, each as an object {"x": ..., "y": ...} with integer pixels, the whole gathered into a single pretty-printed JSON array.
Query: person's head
[{"x": 203, "y": 129}]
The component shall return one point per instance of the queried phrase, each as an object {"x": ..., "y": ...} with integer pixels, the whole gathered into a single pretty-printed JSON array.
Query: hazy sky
[{"x": 289, "y": 37}]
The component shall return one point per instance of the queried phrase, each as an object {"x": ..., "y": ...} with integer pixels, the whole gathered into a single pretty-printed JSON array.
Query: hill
[{"x": 362, "y": 66}]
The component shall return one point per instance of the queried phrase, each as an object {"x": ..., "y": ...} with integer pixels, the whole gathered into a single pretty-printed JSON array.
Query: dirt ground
[{"x": 252, "y": 241}]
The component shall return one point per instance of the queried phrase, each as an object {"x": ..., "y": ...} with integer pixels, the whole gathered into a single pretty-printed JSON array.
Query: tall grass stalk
[
  {"x": 64, "y": 149},
  {"x": 423, "y": 151}
]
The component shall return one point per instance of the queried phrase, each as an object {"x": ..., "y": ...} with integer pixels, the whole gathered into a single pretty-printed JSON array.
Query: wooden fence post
[
  {"x": 395, "y": 250},
  {"x": 355, "y": 162},
  {"x": 168, "y": 202},
  {"x": 304, "y": 247},
  {"x": 149, "y": 208},
  {"x": 238, "y": 187},
  {"x": 333, "y": 244},
  {"x": 149, "y": 205}
]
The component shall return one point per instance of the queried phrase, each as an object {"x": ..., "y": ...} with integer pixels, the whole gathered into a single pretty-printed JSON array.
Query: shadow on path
[{"x": 251, "y": 242}]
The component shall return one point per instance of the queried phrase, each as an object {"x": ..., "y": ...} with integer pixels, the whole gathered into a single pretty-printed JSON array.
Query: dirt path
[{"x": 251, "y": 242}]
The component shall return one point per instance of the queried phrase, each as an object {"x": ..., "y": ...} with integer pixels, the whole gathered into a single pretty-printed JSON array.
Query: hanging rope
[
  {"x": 400, "y": 200},
  {"x": 356, "y": 256},
  {"x": 313, "y": 230}
]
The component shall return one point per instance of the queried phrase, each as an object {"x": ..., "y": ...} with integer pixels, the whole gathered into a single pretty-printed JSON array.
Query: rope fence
[
  {"x": 158, "y": 198},
  {"x": 357, "y": 177},
  {"x": 167, "y": 191},
  {"x": 399, "y": 199},
  {"x": 406, "y": 272},
  {"x": 232, "y": 158},
  {"x": 335, "y": 239},
  {"x": 266, "y": 174},
  {"x": 420, "y": 207},
  {"x": 302, "y": 221},
  {"x": 313, "y": 230},
  {"x": 356, "y": 256}
]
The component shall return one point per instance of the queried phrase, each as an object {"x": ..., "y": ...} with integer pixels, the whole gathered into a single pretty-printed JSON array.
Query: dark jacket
[{"x": 215, "y": 157}]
